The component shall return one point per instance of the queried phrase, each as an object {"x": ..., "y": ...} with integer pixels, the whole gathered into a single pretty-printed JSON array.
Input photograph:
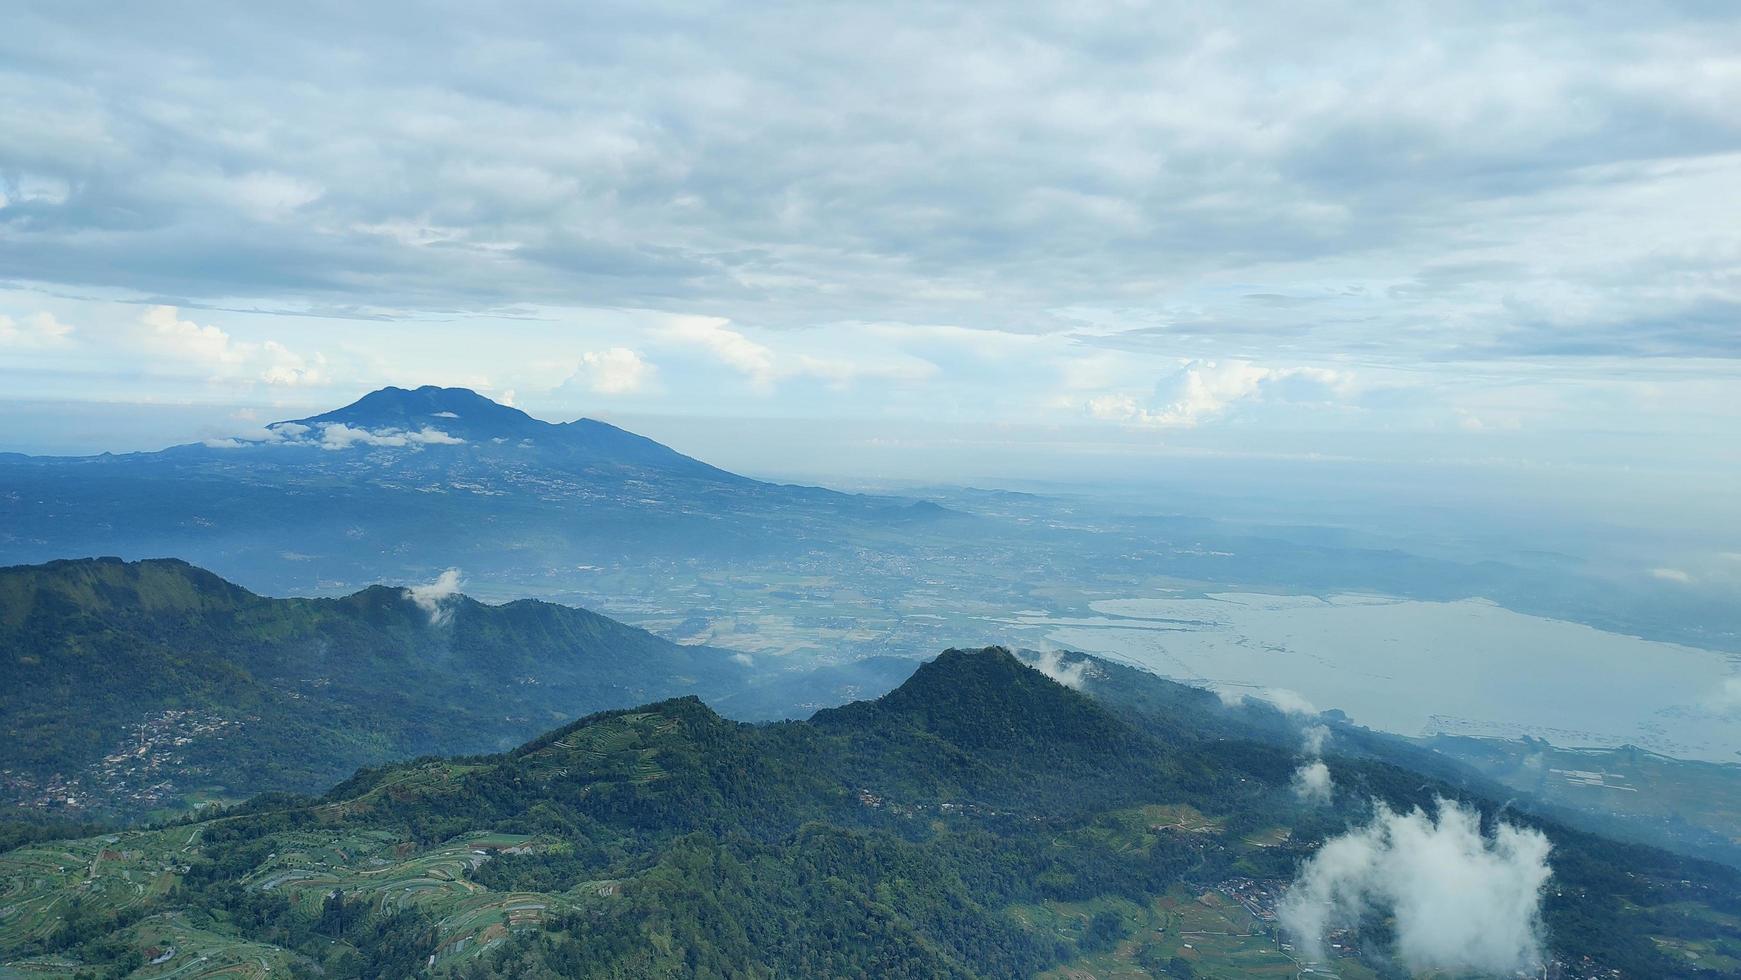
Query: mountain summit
[
  {"x": 433, "y": 417},
  {"x": 459, "y": 410}
]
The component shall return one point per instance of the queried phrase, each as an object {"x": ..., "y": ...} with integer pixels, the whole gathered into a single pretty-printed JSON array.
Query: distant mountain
[
  {"x": 404, "y": 483},
  {"x": 927, "y": 834},
  {"x": 458, "y": 425},
  {"x": 128, "y": 687}
]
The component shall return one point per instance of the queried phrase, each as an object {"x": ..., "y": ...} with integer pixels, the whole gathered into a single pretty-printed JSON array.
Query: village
[{"x": 147, "y": 771}]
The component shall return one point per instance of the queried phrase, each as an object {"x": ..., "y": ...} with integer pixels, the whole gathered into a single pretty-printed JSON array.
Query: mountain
[
  {"x": 402, "y": 484},
  {"x": 128, "y": 687},
  {"x": 459, "y": 426},
  {"x": 905, "y": 837}
]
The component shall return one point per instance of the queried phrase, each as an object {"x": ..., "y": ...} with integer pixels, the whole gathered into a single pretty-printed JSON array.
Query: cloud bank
[{"x": 1461, "y": 901}]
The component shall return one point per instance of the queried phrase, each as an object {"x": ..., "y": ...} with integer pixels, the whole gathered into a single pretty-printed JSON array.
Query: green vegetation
[
  {"x": 981, "y": 821},
  {"x": 152, "y": 687}
]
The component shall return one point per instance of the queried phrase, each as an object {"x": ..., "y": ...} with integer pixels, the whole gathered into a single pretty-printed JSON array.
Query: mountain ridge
[
  {"x": 96, "y": 655},
  {"x": 666, "y": 840}
]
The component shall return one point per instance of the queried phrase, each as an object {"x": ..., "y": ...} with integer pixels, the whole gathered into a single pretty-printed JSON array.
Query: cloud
[
  {"x": 1052, "y": 664},
  {"x": 35, "y": 332},
  {"x": 189, "y": 340},
  {"x": 1312, "y": 784},
  {"x": 279, "y": 434},
  {"x": 1727, "y": 698},
  {"x": 434, "y": 598},
  {"x": 1671, "y": 575},
  {"x": 764, "y": 366},
  {"x": 222, "y": 357},
  {"x": 286, "y": 367},
  {"x": 565, "y": 162},
  {"x": 1283, "y": 700},
  {"x": 1201, "y": 391},
  {"x": 616, "y": 371},
  {"x": 1460, "y": 901},
  {"x": 744, "y": 659},
  {"x": 337, "y": 436},
  {"x": 730, "y": 347}
]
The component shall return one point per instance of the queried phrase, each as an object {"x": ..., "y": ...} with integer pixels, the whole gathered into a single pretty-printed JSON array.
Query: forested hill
[
  {"x": 980, "y": 821},
  {"x": 131, "y": 687}
]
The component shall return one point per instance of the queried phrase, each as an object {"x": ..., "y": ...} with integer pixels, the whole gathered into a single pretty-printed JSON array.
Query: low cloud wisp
[
  {"x": 1053, "y": 665},
  {"x": 1461, "y": 900},
  {"x": 1312, "y": 782},
  {"x": 434, "y": 598}
]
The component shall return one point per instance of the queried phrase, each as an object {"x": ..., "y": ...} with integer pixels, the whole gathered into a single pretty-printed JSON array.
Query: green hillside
[
  {"x": 137, "y": 687},
  {"x": 980, "y": 821}
]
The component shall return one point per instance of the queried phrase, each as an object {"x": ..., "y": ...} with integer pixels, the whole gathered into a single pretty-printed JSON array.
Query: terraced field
[
  {"x": 1210, "y": 931},
  {"x": 104, "y": 875},
  {"x": 100, "y": 875},
  {"x": 469, "y": 917}
]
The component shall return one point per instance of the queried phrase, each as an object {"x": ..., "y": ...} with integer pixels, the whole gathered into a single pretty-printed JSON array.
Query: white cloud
[
  {"x": 433, "y": 598},
  {"x": 286, "y": 367},
  {"x": 427, "y": 436},
  {"x": 1288, "y": 702},
  {"x": 40, "y": 330},
  {"x": 1052, "y": 664},
  {"x": 616, "y": 371},
  {"x": 224, "y": 357},
  {"x": 1201, "y": 391},
  {"x": 189, "y": 340},
  {"x": 1460, "y": 901},
  {"x": 743, "y": 658},
  {"x": 337, "y": 436},
  {"x": 1283, "y": 700},
  {"x": 1312, "y": 783},
  {"x": 843, "y": 364},
  {"x": 732, "y": 348},
  {"x": 1671, "y": 575},
  {"x": 281, "y": 434}
]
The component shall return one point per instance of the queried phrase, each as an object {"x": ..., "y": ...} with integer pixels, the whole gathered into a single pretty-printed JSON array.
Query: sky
[{"x": 1501, "y": 239}]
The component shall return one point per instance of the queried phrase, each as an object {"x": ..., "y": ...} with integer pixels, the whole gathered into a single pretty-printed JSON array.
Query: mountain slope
[
  {"x": 127, "y": 686},
  {"x": 667, "y": 841}
]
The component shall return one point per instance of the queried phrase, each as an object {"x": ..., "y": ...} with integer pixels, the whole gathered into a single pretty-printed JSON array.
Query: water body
[{"x": 1468, "y": 667}]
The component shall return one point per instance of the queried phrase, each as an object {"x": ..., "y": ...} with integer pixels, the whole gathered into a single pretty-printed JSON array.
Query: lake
[{"x": 1468, "y": 667}]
